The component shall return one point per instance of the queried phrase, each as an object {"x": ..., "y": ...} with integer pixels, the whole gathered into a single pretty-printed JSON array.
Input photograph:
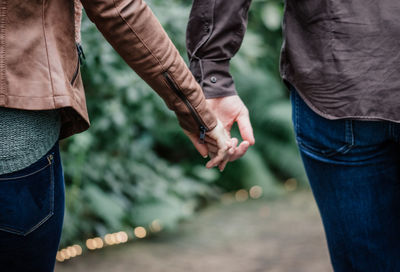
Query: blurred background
[{"x": 135, "y": 175}]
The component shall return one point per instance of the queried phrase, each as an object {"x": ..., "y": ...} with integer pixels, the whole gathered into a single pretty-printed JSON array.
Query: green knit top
[{"x": 25, "y": 137}]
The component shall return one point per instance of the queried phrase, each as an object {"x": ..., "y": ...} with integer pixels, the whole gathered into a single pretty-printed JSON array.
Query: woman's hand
[{"x": 218, "y": 145}]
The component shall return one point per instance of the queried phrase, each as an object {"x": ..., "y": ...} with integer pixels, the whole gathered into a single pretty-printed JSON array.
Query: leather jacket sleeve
[
  {"x": 135, "y": 33},
  {"x": 214, "y": 34}
]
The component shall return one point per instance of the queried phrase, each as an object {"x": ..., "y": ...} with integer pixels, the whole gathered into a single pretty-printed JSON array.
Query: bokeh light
[
  {"x": 255, "y": 192},
  {"x": 155, "y": 226},
  {"x": 140, "y": 232},
  {"x": 291, "y": 184},
  {"x": 241, "y": 195}
]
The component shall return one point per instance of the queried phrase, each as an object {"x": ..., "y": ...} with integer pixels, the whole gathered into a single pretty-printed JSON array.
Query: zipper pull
[
  {"x": 202, "y": 134},
  {"x": 81, "y": 54}
]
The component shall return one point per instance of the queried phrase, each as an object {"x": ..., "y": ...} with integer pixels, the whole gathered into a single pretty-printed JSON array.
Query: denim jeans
[
  {"x": 354, "y": 171},
  {"x": 31, "y": 215}
]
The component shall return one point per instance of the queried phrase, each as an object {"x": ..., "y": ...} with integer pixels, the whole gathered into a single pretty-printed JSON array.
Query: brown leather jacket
[{"x": 39, "y": 59}]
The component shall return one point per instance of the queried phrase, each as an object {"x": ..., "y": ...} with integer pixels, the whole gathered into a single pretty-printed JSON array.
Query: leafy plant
[{"x": 134, "y": 165}]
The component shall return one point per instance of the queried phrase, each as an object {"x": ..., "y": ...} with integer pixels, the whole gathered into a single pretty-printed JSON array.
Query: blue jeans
[
  {"x": 354, "y": 172},
  {"x": 31, "y": 215}
]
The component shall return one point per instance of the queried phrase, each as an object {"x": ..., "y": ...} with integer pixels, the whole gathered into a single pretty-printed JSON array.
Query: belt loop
[
  {"x": 349, "y": 132},
  {"x": 394, "y": 131}
]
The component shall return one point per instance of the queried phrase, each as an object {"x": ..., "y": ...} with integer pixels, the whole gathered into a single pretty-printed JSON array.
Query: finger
[
  {"x": 214, "y": 161},
  {"x": 223, "y": 164},
  {"x": 201, "y": 148},
  {"x": 240, "y": 151},
  {"x": 245, "y": 128},
  {"x": 218, "y": 158},
  {"x": 231, "y": 151},
  {"x": 234, "y": 143}
]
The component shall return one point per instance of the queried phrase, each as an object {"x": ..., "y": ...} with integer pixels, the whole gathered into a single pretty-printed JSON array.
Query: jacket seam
[
  {"x": 136, "y": 34},
  {"x": 47, "y": 53},
  {"x": 3, "y": 46},
  {"x": 49, "y": 96}
]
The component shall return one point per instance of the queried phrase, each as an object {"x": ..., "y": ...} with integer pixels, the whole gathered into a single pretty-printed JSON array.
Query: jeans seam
[
  {"x": 349, "y": 136},
  {"x": 352, "y": 133},
  {"x": 392, "y": 132},
  {"x": 296, "y": 116}
]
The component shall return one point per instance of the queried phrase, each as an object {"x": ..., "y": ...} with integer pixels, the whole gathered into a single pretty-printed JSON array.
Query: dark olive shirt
[
  {"x": 343, "y": 57},
  {"x": 214, "y": 34}
]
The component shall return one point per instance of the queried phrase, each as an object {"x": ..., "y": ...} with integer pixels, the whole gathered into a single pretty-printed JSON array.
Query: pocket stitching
[
  {"x": 51, "y": 212},
  {"x": 27, "y": 175},
  {"x": 349, "y": 135},
  {"x": 349, "y": 138},
  {"x": 41, "y": 222}
]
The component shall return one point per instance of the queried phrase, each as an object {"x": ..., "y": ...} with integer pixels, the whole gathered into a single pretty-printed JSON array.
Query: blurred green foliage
[{"x": 135, "y": 165}]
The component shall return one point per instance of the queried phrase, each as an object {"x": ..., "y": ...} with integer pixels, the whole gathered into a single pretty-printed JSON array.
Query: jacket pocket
[
  {"x": 79, "y": 62},
  {"x": 76, "y": 73},
  {"x": 318, "y": 135},
  {"x": 27, "y": 197}
]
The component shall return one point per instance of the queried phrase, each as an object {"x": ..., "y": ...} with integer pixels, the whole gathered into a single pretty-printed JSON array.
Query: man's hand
[
  {"x": 219, "y": 145},
  {"x": 229, "y": 110}
]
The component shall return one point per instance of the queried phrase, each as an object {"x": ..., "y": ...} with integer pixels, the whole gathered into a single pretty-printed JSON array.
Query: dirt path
[{"x": 284, "y": 235}]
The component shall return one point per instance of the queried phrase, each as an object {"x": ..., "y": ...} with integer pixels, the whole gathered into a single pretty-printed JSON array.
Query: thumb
[{"x": 245, "y": 128}]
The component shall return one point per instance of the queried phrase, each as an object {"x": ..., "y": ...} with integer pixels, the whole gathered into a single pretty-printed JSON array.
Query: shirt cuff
[{"x": 214, "y": 77}]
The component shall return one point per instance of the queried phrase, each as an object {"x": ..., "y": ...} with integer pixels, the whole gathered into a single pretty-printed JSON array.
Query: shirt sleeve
[{"x": 214, "y": 35}]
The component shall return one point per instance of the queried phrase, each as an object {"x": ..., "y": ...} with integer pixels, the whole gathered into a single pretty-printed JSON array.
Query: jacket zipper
[
  {"x": 81, "y": 58},
  {"x": 202, "y": 127}
]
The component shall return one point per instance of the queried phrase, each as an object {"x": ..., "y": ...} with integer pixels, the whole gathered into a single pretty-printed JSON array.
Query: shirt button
[{"x": 213, "y": 79}]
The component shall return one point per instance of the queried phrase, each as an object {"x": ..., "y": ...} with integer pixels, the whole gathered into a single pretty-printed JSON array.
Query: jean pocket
[
  {"x": 318, "y": 135},
  {"x": 27, "y": 197}
]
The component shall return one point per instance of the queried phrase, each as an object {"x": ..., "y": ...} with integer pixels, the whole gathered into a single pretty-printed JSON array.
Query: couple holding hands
[{"x": 339, "y": 60}]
